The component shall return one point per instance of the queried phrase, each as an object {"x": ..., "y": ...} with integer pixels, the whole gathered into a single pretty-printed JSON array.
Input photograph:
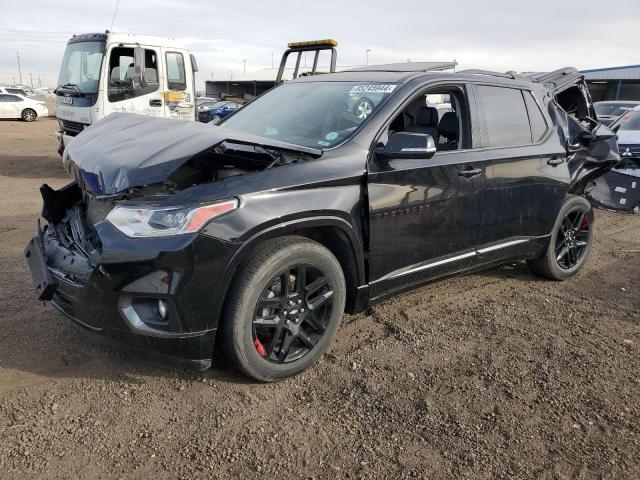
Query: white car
[
  {"x": 14, "y": 91},
  {"x": 17, "y": 106}
]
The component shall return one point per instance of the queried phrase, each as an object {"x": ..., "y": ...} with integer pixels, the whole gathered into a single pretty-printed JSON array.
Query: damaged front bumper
[{"x": 153, "y": 295}]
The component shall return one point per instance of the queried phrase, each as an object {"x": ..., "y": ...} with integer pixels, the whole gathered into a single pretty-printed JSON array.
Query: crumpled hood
[{"x": 125, "y": 150}]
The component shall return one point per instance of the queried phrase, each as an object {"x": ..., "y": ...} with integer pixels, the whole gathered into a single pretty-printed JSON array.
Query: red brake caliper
[
  {"x": 585, "y": 223},
  {"x": 260, "y": 348}
]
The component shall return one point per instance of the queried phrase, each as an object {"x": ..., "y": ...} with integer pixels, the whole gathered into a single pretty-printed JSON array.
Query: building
[{"x": 614, "y": 83}]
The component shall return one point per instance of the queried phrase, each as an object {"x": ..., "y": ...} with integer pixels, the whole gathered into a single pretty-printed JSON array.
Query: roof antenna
[{"x": 115, "y": 11}]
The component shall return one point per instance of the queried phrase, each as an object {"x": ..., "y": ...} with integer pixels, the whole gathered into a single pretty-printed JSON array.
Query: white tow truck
[{"x": 102, "y": 73}]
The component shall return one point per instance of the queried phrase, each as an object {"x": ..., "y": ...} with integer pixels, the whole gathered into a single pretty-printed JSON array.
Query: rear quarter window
[
  {"x": 503, "y": 116},
  {"x": 538, "y": 123}
]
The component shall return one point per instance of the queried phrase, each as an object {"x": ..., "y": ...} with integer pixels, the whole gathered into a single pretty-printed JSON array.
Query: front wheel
[
  {"x": 570, "y": 241},
  {"x": 29, "y": 115},
  {"x": 283, "y": 309}
]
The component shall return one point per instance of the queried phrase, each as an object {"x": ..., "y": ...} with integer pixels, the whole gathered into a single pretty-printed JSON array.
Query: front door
[{"x": 423, "y": 213}]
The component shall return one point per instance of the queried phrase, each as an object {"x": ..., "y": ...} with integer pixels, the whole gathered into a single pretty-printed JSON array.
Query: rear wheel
[
  {"x": 283, "y": 310},
  {"x": 570, "y": 241},
  {"x": 29, "y": 115}
]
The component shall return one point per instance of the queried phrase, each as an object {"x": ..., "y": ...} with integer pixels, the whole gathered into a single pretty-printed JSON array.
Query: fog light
[{"x": 162, "y": 308}]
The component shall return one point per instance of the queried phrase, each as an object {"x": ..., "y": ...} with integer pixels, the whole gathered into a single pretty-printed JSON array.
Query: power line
[{"x": 115, "y": 11}]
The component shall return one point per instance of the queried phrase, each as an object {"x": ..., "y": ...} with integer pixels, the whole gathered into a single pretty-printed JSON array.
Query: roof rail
[
  {"x": 546, "y": 76},
  {"x": 510, "y": 74},
  {"x": 408, "y": 67}
]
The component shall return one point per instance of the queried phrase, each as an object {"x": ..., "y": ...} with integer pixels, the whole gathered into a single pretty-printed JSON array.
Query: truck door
[
  {"x": 178, "y": 84},
  {"x": 133, "y": 85}
]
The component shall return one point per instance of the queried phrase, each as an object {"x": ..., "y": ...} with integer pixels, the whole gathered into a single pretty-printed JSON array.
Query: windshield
[
  {"x": 81, "y": 65},
  {"x": 311, "y": 114},
  {"x": 629, "y": 121},
  {"x": 613, "y": 109}
]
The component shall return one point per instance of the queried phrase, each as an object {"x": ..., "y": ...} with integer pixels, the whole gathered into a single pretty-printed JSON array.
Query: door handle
[
  {"x": 470, "y": 172},
  {"x": 554, "y": 162},
  {"x": 156, "y": 102}
]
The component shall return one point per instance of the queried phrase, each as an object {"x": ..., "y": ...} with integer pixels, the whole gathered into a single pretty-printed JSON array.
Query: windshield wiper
[{"x": 72, "y": 85}]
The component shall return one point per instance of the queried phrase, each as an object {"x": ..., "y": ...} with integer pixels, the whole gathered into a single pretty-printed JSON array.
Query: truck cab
[{"x": 102, "y": 73}]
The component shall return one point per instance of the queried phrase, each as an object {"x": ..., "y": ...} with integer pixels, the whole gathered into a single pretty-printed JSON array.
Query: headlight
[{"x": 139, "y": 221}]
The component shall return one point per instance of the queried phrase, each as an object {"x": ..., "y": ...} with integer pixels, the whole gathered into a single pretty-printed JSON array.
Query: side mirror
[{"x": 409, "y": 145}]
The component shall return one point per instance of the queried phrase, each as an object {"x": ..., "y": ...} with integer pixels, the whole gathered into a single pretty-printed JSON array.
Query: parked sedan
[
  {"x": 609, "y": 111},
  {"x": 17, "y": 106},
  {"x": 217, "y": 111}
]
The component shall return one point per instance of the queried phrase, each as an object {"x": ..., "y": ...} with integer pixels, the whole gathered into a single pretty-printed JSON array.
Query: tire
[
  {"x": 272, "y": 329},
  {"x": 570, "y": 241},
  {"x": 29, "y": 115},
  {"x": 363, "y": 108}
]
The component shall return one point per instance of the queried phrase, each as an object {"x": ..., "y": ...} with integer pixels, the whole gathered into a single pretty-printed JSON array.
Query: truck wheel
[
  {"x": 29, "y": 115},
  {"x": 283, "y": 309},
  {"x": 570, "y": 241}
]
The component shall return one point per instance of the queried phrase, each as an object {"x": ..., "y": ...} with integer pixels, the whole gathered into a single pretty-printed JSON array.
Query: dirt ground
[{"x": 496, "y": 375}]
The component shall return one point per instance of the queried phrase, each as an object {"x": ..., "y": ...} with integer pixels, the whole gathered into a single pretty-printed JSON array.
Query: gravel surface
[{"x": 492, "y": 375}]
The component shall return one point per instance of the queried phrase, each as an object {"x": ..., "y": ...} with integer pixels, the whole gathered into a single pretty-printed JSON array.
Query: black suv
[{"x": 258, "y": 234}]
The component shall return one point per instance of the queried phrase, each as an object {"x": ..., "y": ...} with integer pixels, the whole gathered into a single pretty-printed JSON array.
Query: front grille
[
  {"x": 629, "y": 151},
  {"x": 72, "y": 128},
  {"x": 97, "y": 209}
]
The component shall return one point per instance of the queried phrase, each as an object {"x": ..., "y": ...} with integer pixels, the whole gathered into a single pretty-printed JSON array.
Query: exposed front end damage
[{"x": 144, "y": 292}]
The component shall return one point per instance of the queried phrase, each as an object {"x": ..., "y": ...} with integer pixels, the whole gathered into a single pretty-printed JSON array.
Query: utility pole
[
  {"x": 244, "y": 68},
  {"x": 31, "y": 76},
  {"x": 272, "y": 60},
  {"x": 19, "y": 68},
  {"x": 367, "y": 52}
]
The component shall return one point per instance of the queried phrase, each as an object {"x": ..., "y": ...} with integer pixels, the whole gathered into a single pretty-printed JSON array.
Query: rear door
[
  {"x": 526, "y": 173},
  {"x": 178, "y": 84},
  {"x": 4, "y": 113}
]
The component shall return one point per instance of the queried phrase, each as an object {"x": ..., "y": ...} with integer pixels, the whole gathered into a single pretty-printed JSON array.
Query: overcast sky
[{"x": 501, "y": 35}]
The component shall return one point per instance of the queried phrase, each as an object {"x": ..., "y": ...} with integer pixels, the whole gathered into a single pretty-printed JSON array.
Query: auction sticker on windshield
[{"x": 375, "y": 88}]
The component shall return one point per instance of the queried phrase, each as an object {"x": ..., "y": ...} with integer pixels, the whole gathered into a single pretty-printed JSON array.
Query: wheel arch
[{"x": 333, "y": 232}]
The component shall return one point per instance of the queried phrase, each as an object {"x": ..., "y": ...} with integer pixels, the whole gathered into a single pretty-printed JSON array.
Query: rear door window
[
  {"x": 504, "y": 117},
  {"x": 176, "y": 78}
]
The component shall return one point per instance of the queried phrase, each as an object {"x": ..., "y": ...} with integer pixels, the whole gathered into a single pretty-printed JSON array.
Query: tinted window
[
  {"x": 629, "y": 121},
  {"x": 312, "y": 114},
  {"x": 538, "y": 123},
  {"x": 17, "y": 91},
  {"x": 11, "y": 98},
  {"x": 175, "y": 71},
  {"x": 505, "y": 117},
  {"x": 124, "y": 81}
]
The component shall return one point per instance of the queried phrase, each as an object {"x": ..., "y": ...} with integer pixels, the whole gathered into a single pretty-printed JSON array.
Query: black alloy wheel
[
  {"x": 570, "y": 241},
  {"x": 283, "y": 308},
  {"x": 292, "y": 314},
  {"x": 573, "y": 238}
]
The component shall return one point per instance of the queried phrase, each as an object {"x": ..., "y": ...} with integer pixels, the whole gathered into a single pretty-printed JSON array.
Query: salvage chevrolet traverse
[{"x": 256, "y": 235}]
